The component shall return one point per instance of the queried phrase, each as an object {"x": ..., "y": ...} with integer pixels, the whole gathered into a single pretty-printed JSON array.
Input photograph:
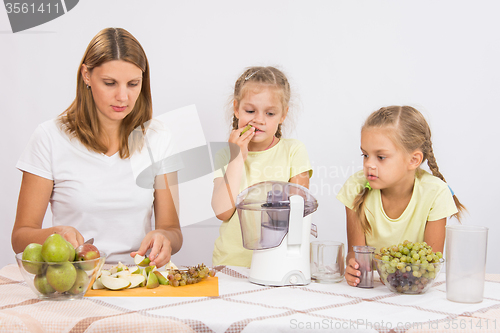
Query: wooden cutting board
[{"x": 209, "y": 287}]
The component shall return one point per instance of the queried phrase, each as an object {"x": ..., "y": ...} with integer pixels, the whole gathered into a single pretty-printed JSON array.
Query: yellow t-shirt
[
  {"x": 285, "y": 160},
  {"x": 431, "y": 200}
]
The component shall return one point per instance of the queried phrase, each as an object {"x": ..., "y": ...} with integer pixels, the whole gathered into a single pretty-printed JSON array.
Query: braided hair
[{"x": 411, "y": 132}]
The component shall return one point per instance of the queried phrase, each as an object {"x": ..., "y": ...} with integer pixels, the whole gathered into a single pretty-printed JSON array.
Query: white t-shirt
[{"x": 97, "y": 194}]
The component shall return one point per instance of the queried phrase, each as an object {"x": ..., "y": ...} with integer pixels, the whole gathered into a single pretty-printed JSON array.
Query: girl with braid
[
  {"x": 392, "y": 199},
  {"x": 256, "y": 153}
]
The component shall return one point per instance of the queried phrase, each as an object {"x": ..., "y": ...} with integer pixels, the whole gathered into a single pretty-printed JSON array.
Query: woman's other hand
[{"x": 160, "y": 246}]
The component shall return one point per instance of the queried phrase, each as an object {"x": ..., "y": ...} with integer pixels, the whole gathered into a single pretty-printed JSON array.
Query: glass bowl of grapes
[{"x": 408, "y": 268}]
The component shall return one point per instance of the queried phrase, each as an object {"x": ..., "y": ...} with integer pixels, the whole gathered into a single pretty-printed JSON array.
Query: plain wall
[{"x": 344, "y": 60}]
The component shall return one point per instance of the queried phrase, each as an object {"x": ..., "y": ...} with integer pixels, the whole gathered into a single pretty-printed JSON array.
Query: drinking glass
[
  {"x": 465, "y": 263},
  {"x": 327, "y": 261}
]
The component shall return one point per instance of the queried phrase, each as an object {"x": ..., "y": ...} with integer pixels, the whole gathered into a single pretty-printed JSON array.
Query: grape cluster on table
[
  {"x": 192, "y": 275},
  {"x": 408, "y": 267}
]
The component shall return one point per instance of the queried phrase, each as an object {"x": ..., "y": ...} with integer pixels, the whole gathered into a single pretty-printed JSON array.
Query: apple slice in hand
[
  {"x": 114, "y": 283},
  {"x": 141, "y": 261}
]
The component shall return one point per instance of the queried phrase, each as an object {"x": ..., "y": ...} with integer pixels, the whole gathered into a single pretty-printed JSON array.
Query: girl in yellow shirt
[
  {"x": 256, "y": 153},
  {"x": 392, "y": 199}
]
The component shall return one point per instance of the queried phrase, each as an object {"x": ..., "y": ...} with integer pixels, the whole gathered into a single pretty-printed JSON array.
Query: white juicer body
[{"x": 289, "y": 263}]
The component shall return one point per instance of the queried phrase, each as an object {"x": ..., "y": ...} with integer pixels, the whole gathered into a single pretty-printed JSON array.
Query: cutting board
[{"x": 209, "y": 287}]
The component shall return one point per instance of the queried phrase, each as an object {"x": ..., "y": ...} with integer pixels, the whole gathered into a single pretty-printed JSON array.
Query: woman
[{"x": 80, "y": 162}]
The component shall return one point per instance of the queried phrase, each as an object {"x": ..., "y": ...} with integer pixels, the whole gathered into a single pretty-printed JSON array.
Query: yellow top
[
  {"x": 285, "y": 160},
  {"x": 431, "y": 200}
]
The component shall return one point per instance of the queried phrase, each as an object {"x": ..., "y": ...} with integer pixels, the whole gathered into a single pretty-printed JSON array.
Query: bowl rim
[
  {"x": 441, "y": 261},
  {"x": 19, "y": 257}
]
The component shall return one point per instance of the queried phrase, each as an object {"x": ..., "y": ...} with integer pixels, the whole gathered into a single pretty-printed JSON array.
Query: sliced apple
[
  {"x": 135, "y": 270},
  {"x": 115, "y": 283},
  {"x": 149, "y": 269},
  {"x": 152, "y": 281},
  {"x": 145, "y": 277},
  {"x": 98, "y": 284},
  {"x": 104, "y": 272},
  {"x": 136, "y": 280},
  {"x": 141, "y": 261},
  {"x": 123, "y": 273},
  {"x": 161, "y": 279},
  {"x": 170, "y": 265},
  {"x": 122, "y": 266}
]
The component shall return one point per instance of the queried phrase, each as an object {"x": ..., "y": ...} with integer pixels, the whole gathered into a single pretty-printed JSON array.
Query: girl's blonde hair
[
  {"x": 409, "y": 131},
  {"x": 80, "y": 120},
  {"x": 269, "y": 76}
]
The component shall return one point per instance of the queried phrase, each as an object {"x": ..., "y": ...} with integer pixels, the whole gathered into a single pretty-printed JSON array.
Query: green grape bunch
[
  {"x": 408, "y": 267},
  {"x": 192, "y": 275}
]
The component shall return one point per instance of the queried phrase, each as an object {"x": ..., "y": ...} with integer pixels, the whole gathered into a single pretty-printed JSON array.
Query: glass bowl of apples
[
  {"x": 56, "y": 270},
  {"x": 408, "y": 268}
]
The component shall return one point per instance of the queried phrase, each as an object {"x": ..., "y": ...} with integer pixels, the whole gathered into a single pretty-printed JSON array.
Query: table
[{"x": 246, "y": 307}]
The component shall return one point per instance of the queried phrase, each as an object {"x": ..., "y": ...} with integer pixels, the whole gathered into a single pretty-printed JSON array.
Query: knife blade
[{"x": 89, "y": 241}]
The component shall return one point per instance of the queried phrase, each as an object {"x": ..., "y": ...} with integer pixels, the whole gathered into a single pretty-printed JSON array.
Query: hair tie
[
  {"x": 367, "y": 185},
  {"x": 452, "y": 193}
]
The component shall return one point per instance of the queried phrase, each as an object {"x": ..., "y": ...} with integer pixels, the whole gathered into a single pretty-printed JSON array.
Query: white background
[{"x": 344, "y": 59}]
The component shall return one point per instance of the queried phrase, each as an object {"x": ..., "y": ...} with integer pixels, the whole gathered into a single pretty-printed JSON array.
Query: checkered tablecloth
[{"x": 245, "y": 307}]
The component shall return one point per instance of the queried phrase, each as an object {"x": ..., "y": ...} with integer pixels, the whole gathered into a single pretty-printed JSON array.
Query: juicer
[{"x": 275, "y": 219}]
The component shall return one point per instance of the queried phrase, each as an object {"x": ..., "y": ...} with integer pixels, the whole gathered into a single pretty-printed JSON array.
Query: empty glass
[
  {"x": 364, "y": 257},
  {"x": 327, "y": 261},
  {"x": 465, "y": 263}
]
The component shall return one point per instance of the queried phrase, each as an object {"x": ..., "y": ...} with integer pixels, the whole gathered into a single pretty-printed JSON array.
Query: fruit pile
[
  {"x": 408, "y": 267},
  {"x": 122, "y": 277},
  {"x": 56, "y": 265}
]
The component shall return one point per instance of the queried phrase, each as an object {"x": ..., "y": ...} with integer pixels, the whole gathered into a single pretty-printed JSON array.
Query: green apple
[
  {"x": 33, "y": 252},
  {"x": 161, "y": 279},
  {"x": 62, "y": 276},
  {"x": 152, "y": 281},
  {"x": 141, "y": 261},
  {"x": 81, "y": 282},
  {"x": 42, "y": 285},
  {"x": 55, "y": 249}
]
